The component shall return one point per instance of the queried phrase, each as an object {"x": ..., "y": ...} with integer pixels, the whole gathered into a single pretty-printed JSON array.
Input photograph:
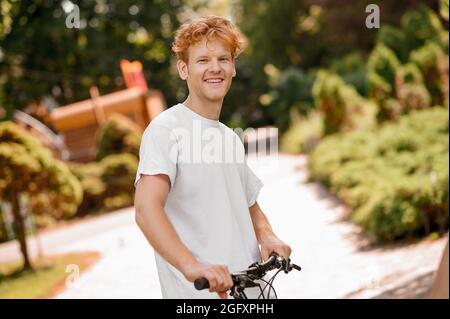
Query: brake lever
[{"x": 296, "y": 267}]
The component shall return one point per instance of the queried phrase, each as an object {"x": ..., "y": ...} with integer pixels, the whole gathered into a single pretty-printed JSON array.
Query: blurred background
[{"x": 359, "y": 97}]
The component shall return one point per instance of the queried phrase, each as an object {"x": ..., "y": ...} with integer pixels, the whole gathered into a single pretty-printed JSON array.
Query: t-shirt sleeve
[
  {"x": 157, "y": 153},
  {"x": 253, "y": 185}
]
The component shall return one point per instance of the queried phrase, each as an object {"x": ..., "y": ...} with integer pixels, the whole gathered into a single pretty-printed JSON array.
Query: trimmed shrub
[
  {"x": 108, "y": 184},
  {"x": 411, "y": 91},
  {"x": 119, "y": 172},
  {"x": 395, "y": 179},
  {"x": 433, "y": 63},
  {"x": 352, "y": 69},
  {"x": 342, "y": 107},
  {"x": 118, "y": 135},
  {"x": 382, "y": 68},
  {"x": 291, "y": 91},
  {"x": 90, "y": 177}
]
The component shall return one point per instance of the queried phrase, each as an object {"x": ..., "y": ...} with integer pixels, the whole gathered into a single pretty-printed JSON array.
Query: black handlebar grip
[{"x": 201, "y": 283}]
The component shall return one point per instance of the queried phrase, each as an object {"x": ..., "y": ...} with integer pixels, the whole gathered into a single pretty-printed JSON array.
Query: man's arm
[
  {"x": 150, "y": 198},
  {"x": 264, "y": 234}
]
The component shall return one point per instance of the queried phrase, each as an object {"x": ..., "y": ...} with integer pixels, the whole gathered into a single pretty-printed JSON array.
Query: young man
[{"x": 198, "y": 212}]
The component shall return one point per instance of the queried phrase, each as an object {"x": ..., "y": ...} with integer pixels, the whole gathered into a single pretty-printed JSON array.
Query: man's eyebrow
[{"x": 201, "y": 57}]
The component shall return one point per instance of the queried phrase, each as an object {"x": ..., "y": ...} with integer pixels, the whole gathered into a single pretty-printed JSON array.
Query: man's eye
[
  {"x": 202, "y": 60},
  {"x": 224, "y": 59}
]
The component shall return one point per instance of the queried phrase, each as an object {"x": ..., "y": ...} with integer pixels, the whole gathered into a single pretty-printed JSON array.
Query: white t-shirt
[{"x": 211, "y": 190}]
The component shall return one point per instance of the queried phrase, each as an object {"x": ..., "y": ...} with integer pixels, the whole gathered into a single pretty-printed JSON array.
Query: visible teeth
[{"x": 214, "y": 81}]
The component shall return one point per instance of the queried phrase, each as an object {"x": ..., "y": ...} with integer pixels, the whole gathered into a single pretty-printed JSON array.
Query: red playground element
[{"x": 133, "y": 75}]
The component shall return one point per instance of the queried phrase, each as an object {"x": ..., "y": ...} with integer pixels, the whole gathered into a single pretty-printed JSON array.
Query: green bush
[
  {"x": 382, "y": 68},
  {"x": 352, "y": 69},
  {"x": 443, "y": 9},
  {"x": 28, "y": 168},
  {"x": 118, "y": 135},
  {"x": 422, "y": 25},
  {"x": 412, "y": 93},
  {"x": 421, "y": 43},
  {"x": 90, "y": 177},
  {"x": 304, "y": 133},
  {"x": 384, "y": 63},
  {"x": 433, "y": 63},
  {"x": 292, "y": 90},
  {"x": 395, "y": 179},
  {"x": 342, "y": 107},
  {"x": 119, "y": 172},
  {"x": 107, "y": 184},
  {"x": 396, "y": 39}
]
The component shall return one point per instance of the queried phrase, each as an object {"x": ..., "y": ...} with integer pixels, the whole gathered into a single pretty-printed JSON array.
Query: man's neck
[{"x": 209, "y": 109}]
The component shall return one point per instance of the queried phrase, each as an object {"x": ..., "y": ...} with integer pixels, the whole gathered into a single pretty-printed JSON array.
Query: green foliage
[
  {"x": 382, "y": 67},
  {"x": 291, "y": 91},
  {"x": 443, "y": 8},
  {"x": 303, "y": 134},
  {"x": 119, "y": 172},
  {"x": 90, "y": 177},
  {"x": 118, "y": 135},
  {"x": 412, "y": 93},
  {"x": 341, "y": 105},
  {"x": 352, "y": 69},
  {"x": 396, "y": 39},
  {"x": 395, "y": 179},
  {"x": 422, "y": 40},
  {"x": 422, "y": 25},
  {"x": 418, "y": 26},
  {"x": 28, "y": 167},
  {"x": 44, "y": 57},
  {"x": 107, "y": 184},
  {"x": 433, "y": 63}
]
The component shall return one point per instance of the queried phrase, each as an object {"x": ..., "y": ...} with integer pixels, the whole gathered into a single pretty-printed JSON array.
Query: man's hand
[
  {"x": 274, "y": 245},
  {"x": 219, "y": 277}
]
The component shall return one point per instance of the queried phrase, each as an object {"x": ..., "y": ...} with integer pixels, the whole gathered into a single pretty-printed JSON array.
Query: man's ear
[
  {"x": 182, "y": 69},
  {"x": 234, "y": 67}
]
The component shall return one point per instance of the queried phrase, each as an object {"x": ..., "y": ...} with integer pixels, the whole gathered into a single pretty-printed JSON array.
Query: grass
[{"x": 48, "y": 278}]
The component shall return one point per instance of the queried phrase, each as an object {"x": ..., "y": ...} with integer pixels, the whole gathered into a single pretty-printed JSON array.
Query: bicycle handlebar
[
  {"x": 257, "y": 270},
  {"x": 201, "y": 283}
]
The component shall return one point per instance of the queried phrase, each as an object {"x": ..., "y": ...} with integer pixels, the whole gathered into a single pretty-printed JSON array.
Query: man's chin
[{"x": 215, "y": 97}]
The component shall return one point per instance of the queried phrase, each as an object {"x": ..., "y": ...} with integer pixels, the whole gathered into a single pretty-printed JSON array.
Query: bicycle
[{"x": 256, "y": 271}]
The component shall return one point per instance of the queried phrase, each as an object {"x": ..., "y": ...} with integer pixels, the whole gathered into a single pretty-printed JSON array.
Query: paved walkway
[{"x": 336, "y": 261}]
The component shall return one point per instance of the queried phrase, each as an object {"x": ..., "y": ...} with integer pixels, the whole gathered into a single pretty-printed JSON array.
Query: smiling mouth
[{"x": 216, "y": 80}]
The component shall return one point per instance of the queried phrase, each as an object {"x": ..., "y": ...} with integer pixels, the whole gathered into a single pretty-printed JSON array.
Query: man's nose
[{"x": 214, "y": 66}]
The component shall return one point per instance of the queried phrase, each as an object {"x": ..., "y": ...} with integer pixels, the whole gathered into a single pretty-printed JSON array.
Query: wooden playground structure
[{"x": 77, "y": 125}]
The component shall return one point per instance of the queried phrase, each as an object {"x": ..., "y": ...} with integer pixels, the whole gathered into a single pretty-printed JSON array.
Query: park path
[{"x": 336, "y": 260}]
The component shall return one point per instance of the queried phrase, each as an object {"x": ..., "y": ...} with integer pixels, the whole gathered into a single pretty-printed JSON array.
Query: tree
[
  {"x": 42, "y": 57},
  {"x": 308, "y": 34},
  {"x": 29, "y": 168}
]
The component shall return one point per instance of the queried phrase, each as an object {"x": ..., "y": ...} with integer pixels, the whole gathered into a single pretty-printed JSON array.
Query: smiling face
[{"x": 209, "y": 70}]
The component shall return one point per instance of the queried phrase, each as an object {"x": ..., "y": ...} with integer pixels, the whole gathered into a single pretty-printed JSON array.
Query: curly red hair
[{"x": 211, "y": 27}]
